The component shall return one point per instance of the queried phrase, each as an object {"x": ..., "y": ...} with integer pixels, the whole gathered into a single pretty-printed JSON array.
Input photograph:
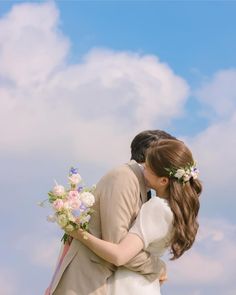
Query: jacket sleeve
[{"x": 119, "y": 196}]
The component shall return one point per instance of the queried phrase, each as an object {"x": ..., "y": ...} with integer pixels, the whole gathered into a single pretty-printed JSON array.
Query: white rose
[
  {"x": 69, "y": 227},
  {"x": 62, "y": 220},
  {"x": 75, "y": 178},
  {"x": 179, "y": 173},
  {"x": 87, "y": 199},
  {"x": 58, "y": 190}
]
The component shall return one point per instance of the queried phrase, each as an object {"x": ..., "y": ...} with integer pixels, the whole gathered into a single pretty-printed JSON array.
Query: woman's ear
[{"x": 164, "y": 181}]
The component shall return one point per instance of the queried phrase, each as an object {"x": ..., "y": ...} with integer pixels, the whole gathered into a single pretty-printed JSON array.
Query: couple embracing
[{"x": 129, "y": 231}]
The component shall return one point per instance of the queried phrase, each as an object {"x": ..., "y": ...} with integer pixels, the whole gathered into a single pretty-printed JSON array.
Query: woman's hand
[
  {"x": 163, "y": 277},
  {"x": 77, "y": 234}
]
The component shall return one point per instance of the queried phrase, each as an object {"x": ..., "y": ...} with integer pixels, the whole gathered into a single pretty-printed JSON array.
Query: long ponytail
[{"x": 183, "y": 196}]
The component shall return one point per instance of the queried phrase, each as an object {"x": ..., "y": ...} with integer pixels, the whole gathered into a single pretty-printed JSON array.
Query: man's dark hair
[{"x": 143, "y": 141}]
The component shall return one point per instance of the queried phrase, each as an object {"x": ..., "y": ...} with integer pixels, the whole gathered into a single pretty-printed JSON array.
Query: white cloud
[
  {"x": 193, "y": 292},
  {"x": 90, "y": 110},
  {"x": 211, "y": 260},
  {"x": 219, "y": 93},
  {"x": 214, "y": 149},
  {"x": 31, "y": 46},
  {"x": 215, "y": 230},
  {"x": 8, "y": 283},
  {"x": 195, "y": 268},
  {"x": 41, "y": 251},
  {"x": 231, "y": 292}
]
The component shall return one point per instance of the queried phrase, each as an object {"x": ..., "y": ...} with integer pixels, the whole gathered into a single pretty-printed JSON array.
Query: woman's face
[{"x": 153, "y": 181}]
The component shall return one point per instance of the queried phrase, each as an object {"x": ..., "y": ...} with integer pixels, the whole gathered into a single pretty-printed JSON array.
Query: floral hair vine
[{"x": 184, "y": 174}]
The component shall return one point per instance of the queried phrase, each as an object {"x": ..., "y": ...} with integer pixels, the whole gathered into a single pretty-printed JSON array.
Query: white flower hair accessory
[{"x": 184, "y": 174}]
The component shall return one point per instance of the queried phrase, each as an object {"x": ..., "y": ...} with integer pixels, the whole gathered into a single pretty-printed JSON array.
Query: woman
[{"x": 168, "y": 221}]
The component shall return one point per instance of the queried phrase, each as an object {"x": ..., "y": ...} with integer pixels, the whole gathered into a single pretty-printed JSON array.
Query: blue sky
[
  {"x": 78, "y": 80},
  {"x": 196, "y": 39},
  {"x": 186, "y": 35}
]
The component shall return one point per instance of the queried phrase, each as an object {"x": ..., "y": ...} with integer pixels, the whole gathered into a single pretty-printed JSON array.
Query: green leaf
[{"x": 64, "y": 238}]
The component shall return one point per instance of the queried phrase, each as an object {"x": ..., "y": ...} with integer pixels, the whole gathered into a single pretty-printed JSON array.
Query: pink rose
[
  {"x": 58, "y": 204},
  {"x": 75, "y": 204},
  {"x": 73, "y": 200},
  {"x": 73, "y": 195},
  {"x": 75, "y": 179}
]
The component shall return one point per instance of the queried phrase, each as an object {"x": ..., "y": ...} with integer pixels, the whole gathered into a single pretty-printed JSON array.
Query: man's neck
[{"x": 141, "y": 165}]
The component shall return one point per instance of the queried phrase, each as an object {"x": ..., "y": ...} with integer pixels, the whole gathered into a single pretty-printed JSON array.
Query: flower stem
[{"x": 65, "y": 238}]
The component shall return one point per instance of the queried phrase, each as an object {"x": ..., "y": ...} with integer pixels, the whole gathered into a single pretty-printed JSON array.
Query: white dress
[{"x": 154, "y": 226}]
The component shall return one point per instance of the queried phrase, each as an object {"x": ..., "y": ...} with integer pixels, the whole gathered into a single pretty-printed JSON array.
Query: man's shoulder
[{"x": 121, "y": 173}]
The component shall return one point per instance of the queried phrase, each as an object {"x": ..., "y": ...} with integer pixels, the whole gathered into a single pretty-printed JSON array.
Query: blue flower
[
  {"x": 80, "y": 188},
  {"x": 82, "y": 207},
  {"x": 73, "y": 170},
  {"x": 76, "y": 213}
]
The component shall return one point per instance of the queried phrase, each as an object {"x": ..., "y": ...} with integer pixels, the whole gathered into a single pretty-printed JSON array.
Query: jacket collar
[{"x": 134, "y": 166}]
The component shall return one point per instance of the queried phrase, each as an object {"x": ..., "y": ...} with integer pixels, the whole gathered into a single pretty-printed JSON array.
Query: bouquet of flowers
[{"x": 72, "y": 207}]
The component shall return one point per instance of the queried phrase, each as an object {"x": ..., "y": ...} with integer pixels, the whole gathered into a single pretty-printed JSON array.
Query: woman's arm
[{"x": 117, "y": 254}]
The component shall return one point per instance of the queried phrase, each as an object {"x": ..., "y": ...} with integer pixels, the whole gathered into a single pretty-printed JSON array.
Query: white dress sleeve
[{"x": 153, "y": 221}]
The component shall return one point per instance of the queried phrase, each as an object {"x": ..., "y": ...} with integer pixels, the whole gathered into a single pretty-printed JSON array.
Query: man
[
  {"x": 119, "y": 196},
  {"x": 142, "y": 142}
]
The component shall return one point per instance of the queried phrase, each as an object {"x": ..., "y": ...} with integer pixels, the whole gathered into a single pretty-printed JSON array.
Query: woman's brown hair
[{"x": 183, "y": 196}]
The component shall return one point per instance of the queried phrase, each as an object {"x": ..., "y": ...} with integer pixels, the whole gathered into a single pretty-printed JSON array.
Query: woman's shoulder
[
  {"x": 154, "y": 221},
  {"x": 157, "y": 202},
  {"x": 159, "y": 206}
]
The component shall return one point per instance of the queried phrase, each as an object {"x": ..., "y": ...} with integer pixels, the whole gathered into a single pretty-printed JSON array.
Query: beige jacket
[{"x": 119, "y": 196}]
